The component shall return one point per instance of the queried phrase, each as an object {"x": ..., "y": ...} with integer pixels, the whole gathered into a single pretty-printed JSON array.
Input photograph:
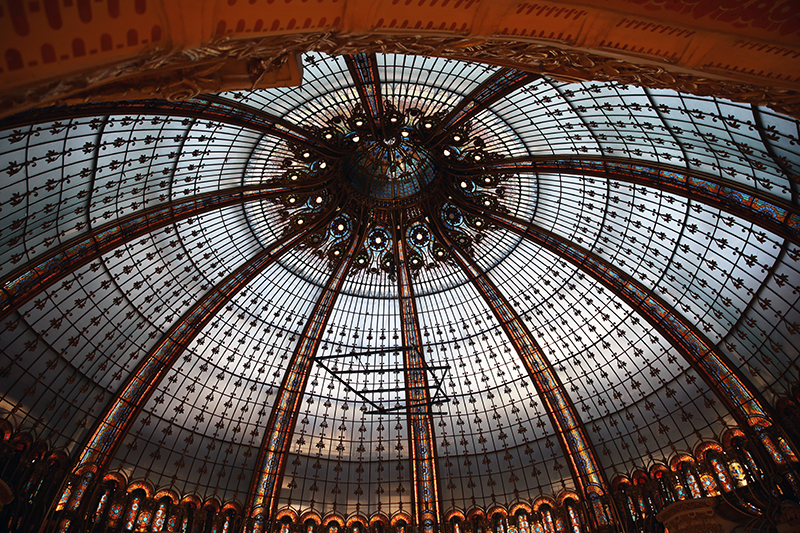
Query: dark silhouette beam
[
  {"x": 262, "y": 498},
  {"x": 757, "y": 206},
  {"x": 364, "y": 71},
  {"x": 208, "y": 107},
  {"x": 494, "y": 88},
  {"x": 29, "y": 280}
]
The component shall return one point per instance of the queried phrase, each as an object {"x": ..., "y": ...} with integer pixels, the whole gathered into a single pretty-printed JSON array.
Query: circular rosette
[
  {"x": 361, "y": 260},
  {"x": 341, "y": 227},
  {"x": 415, "y": 261},
  {"x": 427, "y": 124},
  {"x": 358, "y": 122},
  {"x": 488, "y": 180},
  {"x": 330, "y": 135},
  {"x": 296, "y": 176},
  {"x": 418, "y": 236},
  {"x": 388, "y": 263},
  {"x": 336, "y": 253},
  {"x": 477, "y": 156},
  {"x": 394, "y": 119},
  {"x": 458, "y": 138},
  {"x": 315, "y": 239},
  {"x": 378, "y": 239},
  {"x": 293, "y": 200},
  {"x": 439, "y": 253},
  {"x": 488, "y": 202},
  {"x": 462, "y": 240},
  {"x": 466, "y": 186},
  {"x": 451, "y": 215},
  {"x": 299, "y": 221},
  {"x": 476, "y": 222}
]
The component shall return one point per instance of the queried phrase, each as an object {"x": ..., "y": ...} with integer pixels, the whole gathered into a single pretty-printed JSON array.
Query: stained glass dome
[{"x": 412, "y": 291}]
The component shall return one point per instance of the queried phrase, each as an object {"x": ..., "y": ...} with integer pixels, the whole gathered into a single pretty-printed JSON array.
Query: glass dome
[{"x": 439, "y": 287}]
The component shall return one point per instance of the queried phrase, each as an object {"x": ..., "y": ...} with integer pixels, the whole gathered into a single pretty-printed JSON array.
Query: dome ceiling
[{"x": 458, "y": 278}]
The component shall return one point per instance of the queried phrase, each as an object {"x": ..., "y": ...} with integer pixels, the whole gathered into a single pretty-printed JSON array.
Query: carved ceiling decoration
[{"x": 747, "y": 50}]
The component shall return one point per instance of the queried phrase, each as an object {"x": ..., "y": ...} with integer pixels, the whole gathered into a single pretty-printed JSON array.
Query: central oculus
[{"x": 392, "y": 169}]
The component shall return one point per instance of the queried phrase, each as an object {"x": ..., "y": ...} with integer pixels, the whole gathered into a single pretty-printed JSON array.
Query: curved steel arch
[
  {"x": 364, "y": 71},
  {"x": 760, "y": 208},
  {"x": 24, "y": 283},
  {"x": 577, "y": 447},
  {"x": 207, "y": 107},
  {"x": 738, "y": 394},
  {"x": 498, "y": 85}
]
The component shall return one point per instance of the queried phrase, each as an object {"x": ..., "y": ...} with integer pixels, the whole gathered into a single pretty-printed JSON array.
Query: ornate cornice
[{"x": 243, "y": 64}]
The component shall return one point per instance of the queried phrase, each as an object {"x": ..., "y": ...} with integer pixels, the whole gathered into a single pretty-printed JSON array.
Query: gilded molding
[{"x": 243, "y": 64}]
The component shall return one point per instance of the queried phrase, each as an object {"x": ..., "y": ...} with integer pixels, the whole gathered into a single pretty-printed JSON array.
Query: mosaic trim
[
  {"x": 263, "y": 496},
  {"x": 363, "y": 68},
  {"x": 577, "y": 448},
  {"x": 423, "y": 450},
  {"x": 716, "y": 371}
]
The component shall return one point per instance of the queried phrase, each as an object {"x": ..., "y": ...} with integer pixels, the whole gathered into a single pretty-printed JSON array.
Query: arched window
[
  {"x": 133, "y": 509},
  {"x": 720, "y": 471},
  {"x": 286, "y": 523},
  {"x": 258, "y": 524},
  {"x": 109, "y": 488},
  {"x": 227, "y": 524},
  {"x": 145, "y": 516},
  {"x": 664, "y": 490},
  {"x": 499, "y": 523},
  {"x": 690, "y": 479},
  {"x": 523, "y": 521},
  {"x": 161, "y": 514},
  {"x": 573, "y": 516},
  {"x": 548, "y": 524}
]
